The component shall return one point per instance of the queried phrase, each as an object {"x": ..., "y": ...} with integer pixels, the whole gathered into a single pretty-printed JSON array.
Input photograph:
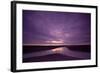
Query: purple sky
[{"x": 51, "y": 27}]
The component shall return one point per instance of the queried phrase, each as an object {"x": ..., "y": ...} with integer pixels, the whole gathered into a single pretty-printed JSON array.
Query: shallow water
[{"x": 46, "y": 53}]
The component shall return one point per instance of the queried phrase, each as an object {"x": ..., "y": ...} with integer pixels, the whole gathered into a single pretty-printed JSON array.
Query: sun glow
[{"x": 56, "y": 41}]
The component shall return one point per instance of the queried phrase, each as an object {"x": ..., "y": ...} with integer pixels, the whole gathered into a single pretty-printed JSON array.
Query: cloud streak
[{"x": 72, "y": 28}]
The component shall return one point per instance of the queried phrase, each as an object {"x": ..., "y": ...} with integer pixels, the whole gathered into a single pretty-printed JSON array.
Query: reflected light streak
[{"x": 58, "y": 50}]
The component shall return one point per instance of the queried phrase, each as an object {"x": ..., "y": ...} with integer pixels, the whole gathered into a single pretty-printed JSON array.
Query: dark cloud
[{"x": 46, "y": 25}]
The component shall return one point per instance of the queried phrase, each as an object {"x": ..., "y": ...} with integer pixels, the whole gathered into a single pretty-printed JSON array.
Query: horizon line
[{"x": 52, "y": 44}]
